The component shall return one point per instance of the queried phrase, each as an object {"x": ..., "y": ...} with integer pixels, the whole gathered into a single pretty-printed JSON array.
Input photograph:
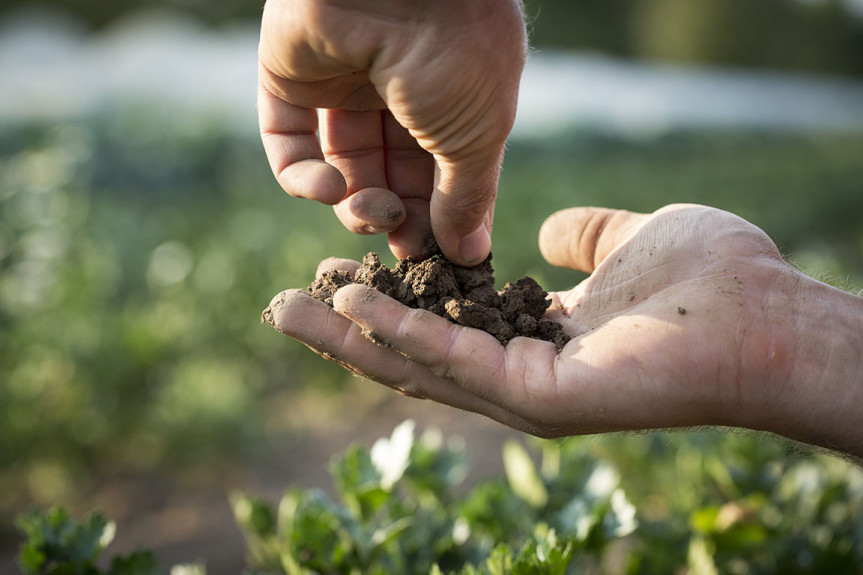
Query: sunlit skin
[
  {"x": 396, "y": 113},
  {"x": 413, "y": 101},
  {"x": 690, "y": 317}
]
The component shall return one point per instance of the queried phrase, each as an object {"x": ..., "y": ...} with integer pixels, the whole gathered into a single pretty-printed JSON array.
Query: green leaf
[
  {"x": 545, "y": 553},
  {"x": 384, "y": 535},
  {"x": 138, "y": 563},
  {"x": 620, "y": 520},
  {"x": 704, "y": 520},
  {"x": 323, "y": 537},
  {"x": 499, "y": 561},
  {"x": 58, "y": 545},
  {"x": 254, "y": 515},
  {"x": 286, "y": 512},
  {"x": 359, "y": 482},
  {"x": 31, "y": 558},
  {"x": 56, "y": 541},
  {"x": 700, "y": 558},
  {"x": 436, "y": 466},
  {"x": 189, "y": 569},
  {"x": 578, "y": 517},
  {"x": 522, "y": 474},
  {"x": 257, "y": 522},
  {"x": 291, "y": 565}
]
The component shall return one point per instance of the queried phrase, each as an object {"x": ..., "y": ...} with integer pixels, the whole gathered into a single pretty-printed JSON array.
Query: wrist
[{"x": 819, "y": 396}]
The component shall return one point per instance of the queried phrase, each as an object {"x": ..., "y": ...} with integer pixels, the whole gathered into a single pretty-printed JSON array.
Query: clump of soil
[{"x": 465, "y": 296}]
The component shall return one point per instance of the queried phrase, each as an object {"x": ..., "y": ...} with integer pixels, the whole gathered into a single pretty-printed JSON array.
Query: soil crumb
[{"x": 465, "y": 296}]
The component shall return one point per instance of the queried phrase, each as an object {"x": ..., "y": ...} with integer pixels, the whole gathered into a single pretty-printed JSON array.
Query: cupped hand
[
  {"x": 673, "y": 328},
  {"x": 413, "y": 102}
]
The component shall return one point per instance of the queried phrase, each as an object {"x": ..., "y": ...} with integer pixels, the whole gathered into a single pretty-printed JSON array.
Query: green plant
[
  {"x": 58, "y": 545},
  {"x": 710, "y": 502},
  {"x": 706, "y": 502},
  {"x": 400, "y": 511}
]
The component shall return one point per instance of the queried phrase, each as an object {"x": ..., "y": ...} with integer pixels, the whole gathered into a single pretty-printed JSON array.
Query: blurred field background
[{"x": 141, "y": 232}]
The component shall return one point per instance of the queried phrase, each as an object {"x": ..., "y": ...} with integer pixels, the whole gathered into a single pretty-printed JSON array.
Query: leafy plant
[
  {"x": 400, "y": 510},
  {"x": 706, "y": 503},
  {"x": 58, "y": 545}
]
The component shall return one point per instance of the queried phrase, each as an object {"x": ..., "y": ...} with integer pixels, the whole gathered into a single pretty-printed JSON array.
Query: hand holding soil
[
  {"x": 690, "y": 318},
  {"x": 465, "y": 296}
]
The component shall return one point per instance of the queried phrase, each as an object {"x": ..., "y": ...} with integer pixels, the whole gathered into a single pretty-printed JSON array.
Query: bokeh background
[{"x": 141, "y": 232}]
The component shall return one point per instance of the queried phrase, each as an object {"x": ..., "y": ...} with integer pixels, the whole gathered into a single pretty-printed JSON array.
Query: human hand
[
  {"x": 690, "y": 317},
  {"x": 415, "y": 101}
]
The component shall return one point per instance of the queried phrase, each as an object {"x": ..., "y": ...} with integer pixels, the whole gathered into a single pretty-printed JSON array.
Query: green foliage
[
  {"x": 135, "y": 258},
  {"x": 400, "y": 511},
  {"x": 725, "y": 32},
  {"x": 58, "y": 545},
  {"x": 706, "y": 503}
]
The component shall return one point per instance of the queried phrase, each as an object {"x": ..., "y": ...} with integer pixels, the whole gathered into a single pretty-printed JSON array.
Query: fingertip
[
  {"x": 474, "y": 248},
  {"x": 337, "y": 264},
  {"x": 376, "y": 210},
  {"x": 463, "y": 199},
  {"x": 469, "y": 250},
  {"x": 462, "y": 224},
  {"x": 282, "y": 307},
  {"x": 346, "y": 299},
  {"x": 551, "y": 234},
  {"x": 314, "y": 179}
]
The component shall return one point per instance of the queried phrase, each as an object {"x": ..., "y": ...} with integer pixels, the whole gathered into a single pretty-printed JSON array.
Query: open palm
[{"x": 671, "y": 329}]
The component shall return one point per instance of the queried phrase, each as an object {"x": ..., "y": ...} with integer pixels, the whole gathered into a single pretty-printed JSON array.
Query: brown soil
[{"x": 465, "y": 296}]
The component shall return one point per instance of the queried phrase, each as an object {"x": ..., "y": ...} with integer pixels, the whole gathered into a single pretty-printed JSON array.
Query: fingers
[
  {"x": 581, "y": 238},
  {"x": 353, "y": 142},
  {"x": 337, "y": 264},
  {"x": 382, "y": 165},
  {"x": 335, "y": 337},
  {"x": 473, "y": 359},
  {"x": 371, "y": 211},
  {"x": 410, "y": 173},
  {"x": 410, "y": 170},
  {"x": 414, "y": 237},
  {"x": 354, "y": 176},
  {"x": 288, "y": 133}
]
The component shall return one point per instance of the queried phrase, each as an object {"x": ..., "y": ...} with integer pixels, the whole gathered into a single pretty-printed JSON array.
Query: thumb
[
  {"x": 462, "y": 208},
  {"x": 581, "y": 238}
]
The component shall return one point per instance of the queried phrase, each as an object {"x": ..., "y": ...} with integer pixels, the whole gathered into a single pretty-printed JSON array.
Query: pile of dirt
[{"x": 465, "y": 296}]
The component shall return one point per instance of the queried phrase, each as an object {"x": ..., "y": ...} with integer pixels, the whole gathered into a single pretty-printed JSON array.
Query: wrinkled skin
[
  {"x": 414, "y": 101},
  {"x": 690, "y": 317}
]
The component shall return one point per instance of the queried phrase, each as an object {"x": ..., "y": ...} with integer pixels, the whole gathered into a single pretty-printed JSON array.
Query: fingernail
[{"x": 475, "y": 246}]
